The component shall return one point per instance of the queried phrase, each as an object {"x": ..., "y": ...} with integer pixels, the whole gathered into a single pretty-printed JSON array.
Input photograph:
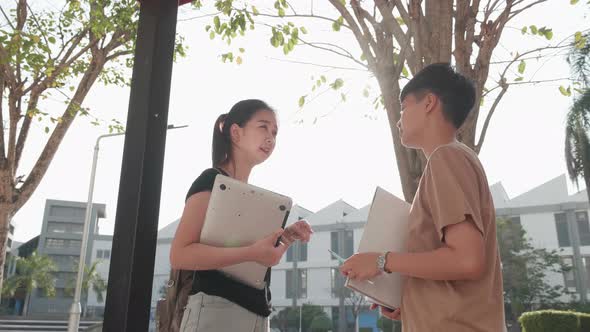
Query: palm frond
[
  {"x": 577, "y": 141},
  {"x": 579, "y": 60}
]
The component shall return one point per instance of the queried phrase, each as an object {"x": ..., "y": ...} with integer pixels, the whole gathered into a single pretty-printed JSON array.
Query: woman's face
[{"x": 256, "y": 140}]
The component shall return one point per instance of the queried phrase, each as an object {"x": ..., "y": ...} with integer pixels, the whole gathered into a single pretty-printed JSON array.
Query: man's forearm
[{"x": 441, "y": 264}]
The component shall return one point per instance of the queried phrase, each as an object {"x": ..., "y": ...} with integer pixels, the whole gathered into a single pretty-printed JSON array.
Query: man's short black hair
[{"x": 456, "y": 92}]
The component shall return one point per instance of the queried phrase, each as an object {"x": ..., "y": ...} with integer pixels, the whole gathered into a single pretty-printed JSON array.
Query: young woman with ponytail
[{"x": 242, "y": 139}]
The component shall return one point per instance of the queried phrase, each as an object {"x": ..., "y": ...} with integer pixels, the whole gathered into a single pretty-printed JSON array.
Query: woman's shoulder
[{"x": 203, "y": 182}]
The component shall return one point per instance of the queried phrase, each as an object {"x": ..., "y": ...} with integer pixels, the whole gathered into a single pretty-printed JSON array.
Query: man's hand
[
  {"x": 393, "y": 315},
  {"x": 361, "y": 266}
]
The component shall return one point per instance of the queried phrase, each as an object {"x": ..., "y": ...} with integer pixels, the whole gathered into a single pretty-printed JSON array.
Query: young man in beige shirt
[{"x": 452, "y": 265}]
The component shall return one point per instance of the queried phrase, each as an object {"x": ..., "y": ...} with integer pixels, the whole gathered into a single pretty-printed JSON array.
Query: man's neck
[{"x": 438, "y": 141}]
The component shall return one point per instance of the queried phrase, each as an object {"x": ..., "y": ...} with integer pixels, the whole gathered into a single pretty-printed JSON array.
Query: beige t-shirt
[{"x": 453, "y": 186}]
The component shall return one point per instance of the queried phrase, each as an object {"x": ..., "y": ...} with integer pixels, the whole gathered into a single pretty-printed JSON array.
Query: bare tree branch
[
  {"x": 7, "y": 18},
  {"x": 404, "y": 40},
  {"x": 361, "y": 15},
  {"x": 363, "y": 42},
  {"x": 319, "y": 65},
  {"x": 24, "y": 131},
  {"x": 40, "y": 30},
  {"x": 118, "y": 54},
  {"x": 295, "y": 16},
  {"x": 40, "y": 168},
  {"x": 344, "y": 52},
  {"x": 516, "y": 12},
  {"x": 484, "y": 130},
  {"x": 402, "y": 11}
]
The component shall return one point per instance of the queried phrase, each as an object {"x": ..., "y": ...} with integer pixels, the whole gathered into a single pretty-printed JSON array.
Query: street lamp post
[{"x": 76, "y": 308}]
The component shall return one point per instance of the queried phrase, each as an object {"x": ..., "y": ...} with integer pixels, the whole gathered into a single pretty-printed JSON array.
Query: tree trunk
[{"x": 5, "y": 217}]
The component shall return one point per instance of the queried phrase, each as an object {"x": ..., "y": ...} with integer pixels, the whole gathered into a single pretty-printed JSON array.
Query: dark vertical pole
[{"x": 131, "y": 272}]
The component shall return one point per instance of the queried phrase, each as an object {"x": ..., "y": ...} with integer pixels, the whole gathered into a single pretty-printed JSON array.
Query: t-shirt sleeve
[
  {"x": 452, "y": 190},
  {"x": 204, "y": 182}
]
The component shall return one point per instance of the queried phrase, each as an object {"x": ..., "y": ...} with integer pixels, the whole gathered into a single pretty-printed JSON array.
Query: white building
[
  {"x": 553, "y": 219},
  {"x": 549, "y": 215}
]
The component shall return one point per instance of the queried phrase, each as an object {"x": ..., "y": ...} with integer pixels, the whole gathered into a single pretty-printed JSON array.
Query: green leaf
[
  {"x": 566, "y": 92},
  {"x": 323, "y": 78},
  {"x": 338, "y": 83},
  {"x": 207, "y": 27},
  {"x": 534, "y": 29},
  {"x": 405, "y": 72},
  {"x": 281, "y": 12},
  {"x": 337, "y": 24},
  {"x": 521, "y": 67},
  {"x": 524, "y": 30},
  {"x": 366, "y": 93},
  {"x": 212, "y": 34},
  {"x": 239, "y": 60},
  {"x": 578, "y": 36},
  {"x": 217, "y": 22},
  {"x": 47, "y": 130},
  {"x": 255, "y": 10},
  {"x": 242, "y": 50},
  {"x": 303, "y": 30},
  {"x": 573, "y": 2},
  {"x": 518, "y": 79},
  {"x": 301, "y": 101},
  {"x": 549, "y": 34},
  {"x": 51, "y": 40},
  {"x": 343, "y": 96}
]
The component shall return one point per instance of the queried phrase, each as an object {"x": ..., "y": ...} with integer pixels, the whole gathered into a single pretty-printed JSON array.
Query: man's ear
[{"x": 431, "y": 102}]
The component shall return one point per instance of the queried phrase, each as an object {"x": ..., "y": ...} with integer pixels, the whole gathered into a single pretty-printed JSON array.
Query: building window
[
  {"x": 302, "y": 252},
  {"x": 301, "y": 283},
  {"x": 105, "y": 254},
  {"x": 337, "y": 283},
  {"x": 65, "y": 262},
  {"x": 55, "y": 243},
  {"x": 515, "y": 220},
  {"x": 583, "y": 227},
  {"x": 67, "y": 211},
  {"x": 347, "y": 248},
  {"x": 65, "y": 227},
  {"x": 563, "y": 236},
  {"x": 65, "y": 276},
  {"x": 62, "y": 243}
]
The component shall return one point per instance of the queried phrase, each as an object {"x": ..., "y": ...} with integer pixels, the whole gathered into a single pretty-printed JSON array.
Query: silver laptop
[
  {"x": 386, "y": 230},
  {"x": 238, "y": 215}
]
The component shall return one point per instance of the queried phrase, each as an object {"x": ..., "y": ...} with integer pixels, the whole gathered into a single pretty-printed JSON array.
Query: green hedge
[{"x": 555, "y": 320}]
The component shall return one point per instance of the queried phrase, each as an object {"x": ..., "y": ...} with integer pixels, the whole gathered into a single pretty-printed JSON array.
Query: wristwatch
[{"x": 382, "y": 261}]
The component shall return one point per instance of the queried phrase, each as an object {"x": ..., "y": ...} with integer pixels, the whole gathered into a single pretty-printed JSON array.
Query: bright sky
[{"x": 344, "y": 155}]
